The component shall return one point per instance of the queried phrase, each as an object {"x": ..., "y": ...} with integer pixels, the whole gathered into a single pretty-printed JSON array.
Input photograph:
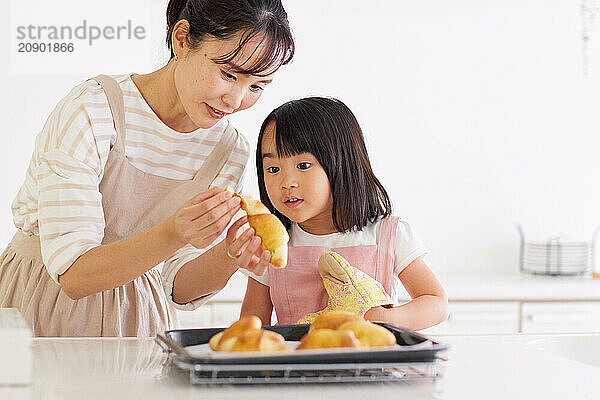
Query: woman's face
[
  {"x": 298, "y": 186},
  {"x": 208, "y": 91}
]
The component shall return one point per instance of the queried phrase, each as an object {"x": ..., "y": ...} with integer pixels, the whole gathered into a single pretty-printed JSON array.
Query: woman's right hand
[{"x": 204, "y": 217}]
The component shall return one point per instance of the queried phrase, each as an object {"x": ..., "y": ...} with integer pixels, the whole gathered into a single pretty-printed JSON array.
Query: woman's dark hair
[
  {"x": 327, "y": 129},
  {"x": 222, "y": 19}
]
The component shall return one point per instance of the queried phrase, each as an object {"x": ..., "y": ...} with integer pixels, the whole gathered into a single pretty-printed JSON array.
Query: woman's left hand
[{"x": 245, "y": 247}]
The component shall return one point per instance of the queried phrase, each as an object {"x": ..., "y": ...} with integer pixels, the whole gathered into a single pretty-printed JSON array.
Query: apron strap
[
  {"x": 117, "y": 107},
  {"x": 217, "y": 158},
  {"x": 385, "y": 251}
]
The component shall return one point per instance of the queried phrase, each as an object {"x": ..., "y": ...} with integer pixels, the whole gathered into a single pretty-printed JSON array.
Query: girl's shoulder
[
  {"x": 392, "y": 228},
  {"x": 396, "y": 225}
]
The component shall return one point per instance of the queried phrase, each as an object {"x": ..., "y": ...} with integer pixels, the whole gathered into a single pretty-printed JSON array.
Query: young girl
[{"x": 314, "y": 174}]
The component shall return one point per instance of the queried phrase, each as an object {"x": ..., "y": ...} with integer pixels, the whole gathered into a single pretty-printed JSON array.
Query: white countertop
[
  {"x": 480, "y": 287},
  {"x": 481, "y": 367}
]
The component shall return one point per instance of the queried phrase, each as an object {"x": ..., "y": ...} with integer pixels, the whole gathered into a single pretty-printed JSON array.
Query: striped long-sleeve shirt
[{"x": 60, "y": 200}]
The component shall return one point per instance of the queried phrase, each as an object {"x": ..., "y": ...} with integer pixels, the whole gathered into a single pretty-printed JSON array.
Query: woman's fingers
[
  {"x": 213, "y": 207},
  {"x": 235, "y": 230},
  {"x": 211, "y": 232},
  {"x": 203, "y": 217},
  {"x": 200, "y": 197},
  {"x": 237, "y": 247},
  {"x": 206, "y": 216}
]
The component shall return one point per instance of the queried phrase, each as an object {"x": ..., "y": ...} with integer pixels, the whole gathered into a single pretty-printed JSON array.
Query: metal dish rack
[
  {"x": 552, "y": 257},
  {"x": 199, "y": 371},
  {"x": 311, "y": 373}
]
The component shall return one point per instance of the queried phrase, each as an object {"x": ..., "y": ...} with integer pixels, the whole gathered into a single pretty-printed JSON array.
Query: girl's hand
[
  {"x": 245, "y": 247},
  {"x": 376, "y": 314},
  {"x": 204, "y": 217}
]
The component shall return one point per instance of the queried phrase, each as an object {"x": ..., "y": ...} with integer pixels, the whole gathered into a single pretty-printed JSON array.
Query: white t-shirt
[
  {"x": 408, "y": 248},
  {"x": 60, "y": 200}
]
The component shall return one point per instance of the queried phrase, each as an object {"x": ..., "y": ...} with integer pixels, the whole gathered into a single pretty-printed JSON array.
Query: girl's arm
[
  {"x": 257, "y": 302},
  {"x": 429, "y": 304}
]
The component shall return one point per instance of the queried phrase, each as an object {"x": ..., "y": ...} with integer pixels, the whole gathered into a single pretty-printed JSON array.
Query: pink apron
[{"x": 297, "y": 289}]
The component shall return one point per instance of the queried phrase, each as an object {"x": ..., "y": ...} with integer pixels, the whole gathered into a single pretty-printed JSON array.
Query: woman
[{"x": 120, "y": 175}]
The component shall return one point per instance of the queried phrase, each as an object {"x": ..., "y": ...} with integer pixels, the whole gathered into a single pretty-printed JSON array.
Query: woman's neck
[{"x": 158, "y": 90}]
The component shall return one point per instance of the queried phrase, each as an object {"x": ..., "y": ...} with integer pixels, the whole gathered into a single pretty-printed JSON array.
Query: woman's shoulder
[
  {"x": 242, "y": 139},
  {"x": 242, "y": 146},
  {"x": 84, "y": 95},
  {"x": 81, "y": 116},
  {"x": 90, "y": 91}
]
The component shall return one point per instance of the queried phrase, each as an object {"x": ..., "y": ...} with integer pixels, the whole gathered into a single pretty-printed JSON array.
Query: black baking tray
[{"x": 177, "y": 340}]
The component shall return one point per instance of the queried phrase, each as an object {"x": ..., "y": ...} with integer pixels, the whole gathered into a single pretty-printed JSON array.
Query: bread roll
[
  {"x": 269, "y": 228},
  {"x": 247, "y": 335},
  {"x": 214, "y": 341},
  {"x": 369, "y": 334},
  {"x": 259, "y": 340},
  {"x": 333, "y": 319},
  {"x": 328, "y": 338},
  {"x": 231, "y": 334},
  {"x": 327, "y": 330}
]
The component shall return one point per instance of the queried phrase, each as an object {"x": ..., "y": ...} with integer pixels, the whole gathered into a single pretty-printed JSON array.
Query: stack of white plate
[{"x": 557, "y": 257}]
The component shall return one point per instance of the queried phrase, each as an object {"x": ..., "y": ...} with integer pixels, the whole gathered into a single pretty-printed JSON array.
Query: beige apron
[{"x": 133, "y": 202}]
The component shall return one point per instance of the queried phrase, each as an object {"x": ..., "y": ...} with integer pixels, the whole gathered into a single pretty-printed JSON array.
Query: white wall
[{"x": 477, "y": 113}]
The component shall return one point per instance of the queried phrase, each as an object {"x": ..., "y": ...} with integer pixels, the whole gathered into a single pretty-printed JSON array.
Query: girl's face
[
  {"x": 297, "y": 186},
  {"x": 209, "y": 91}
]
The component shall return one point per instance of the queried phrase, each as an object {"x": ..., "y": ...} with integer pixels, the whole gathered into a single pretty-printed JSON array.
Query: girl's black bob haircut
[
  {"x": 326, "y": 128},
  {"x": 222, "y": 19}
]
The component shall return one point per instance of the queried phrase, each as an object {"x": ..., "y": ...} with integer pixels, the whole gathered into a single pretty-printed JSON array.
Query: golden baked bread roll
[
  {"x": 333, "y": 319},
  {"x": 247, "y": 335},
  {"x": 332, "y": 329},
  {"x": 269, "y": 228},
  {"x": 259, "y": 340},
  {"x": 328, "y": 338},
  {"x": 230, "y": 335},
  {"x": 369, "y": 334},
  {"x": 214, "y": 341}
]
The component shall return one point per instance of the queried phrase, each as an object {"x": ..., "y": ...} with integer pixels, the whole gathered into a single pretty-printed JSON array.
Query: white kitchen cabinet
[
  {"x": 560, "y": 317},
  {"x": 468, "y": 317},
  {"x": 479, "y": 318}
]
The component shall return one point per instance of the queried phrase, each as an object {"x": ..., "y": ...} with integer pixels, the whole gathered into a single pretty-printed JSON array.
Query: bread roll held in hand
[
  {"x": 269, "y": 228},
  {"x": 247, "y": 335}
]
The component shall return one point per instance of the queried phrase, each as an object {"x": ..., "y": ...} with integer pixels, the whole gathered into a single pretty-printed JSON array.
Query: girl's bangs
[
  {"x": 274, "y": 50},
  {"x": 292, "y": 136}
]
